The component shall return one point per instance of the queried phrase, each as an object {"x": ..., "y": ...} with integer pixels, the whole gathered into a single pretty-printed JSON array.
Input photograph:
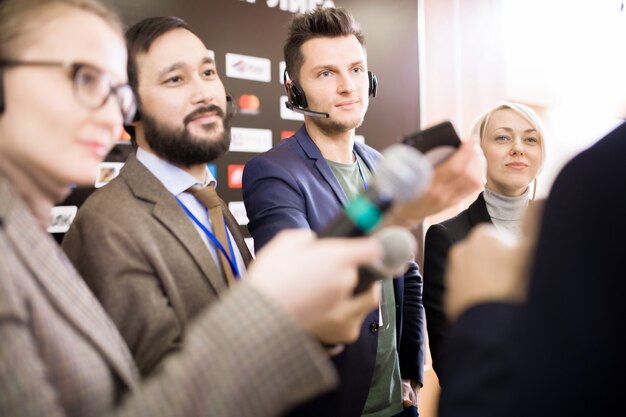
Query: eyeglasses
[{"x": 92, "y": 86}]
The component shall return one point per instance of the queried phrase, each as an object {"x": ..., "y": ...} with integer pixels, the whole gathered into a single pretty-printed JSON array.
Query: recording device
[
  {"x": 436, "y": 142},
  {"x": 399, "y": 247},
  {"x": 402, "y": 175},
  {"x": 296, "y": 100}
]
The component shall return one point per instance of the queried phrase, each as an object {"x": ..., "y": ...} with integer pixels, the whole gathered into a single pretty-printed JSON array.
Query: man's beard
[{"x": 180, "y": 147}]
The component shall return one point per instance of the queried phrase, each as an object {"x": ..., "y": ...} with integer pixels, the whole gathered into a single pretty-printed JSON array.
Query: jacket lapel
[
  {"x": 371, "y": 159},
  {"x": 168, "y": 212},
  {"x": 64, "y": 287},
  {"x": 477, "y": 211},
  {"x": 313, "y": 153}
]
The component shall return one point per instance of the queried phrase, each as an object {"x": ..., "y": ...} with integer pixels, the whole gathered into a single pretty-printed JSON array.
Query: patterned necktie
[{"x": 208, "y": 197}]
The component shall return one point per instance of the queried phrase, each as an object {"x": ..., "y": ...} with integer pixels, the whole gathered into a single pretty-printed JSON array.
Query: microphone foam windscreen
[
  {"x": 399, "y": 247},
  {"x": 404, "y": 172}
]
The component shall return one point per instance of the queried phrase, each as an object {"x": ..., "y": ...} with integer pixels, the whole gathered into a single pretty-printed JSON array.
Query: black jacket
[{"x": 439, "y": 238}]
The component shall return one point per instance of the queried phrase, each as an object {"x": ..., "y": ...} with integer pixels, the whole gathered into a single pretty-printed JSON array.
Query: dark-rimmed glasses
[{"x": 92, "y": 86}]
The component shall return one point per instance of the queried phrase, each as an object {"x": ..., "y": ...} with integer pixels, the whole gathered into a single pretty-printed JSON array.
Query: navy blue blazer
[
  {"x": 439, "y": 238},
  {"x": 292, "y": 186},
  {"x": 562, "y": 353}
]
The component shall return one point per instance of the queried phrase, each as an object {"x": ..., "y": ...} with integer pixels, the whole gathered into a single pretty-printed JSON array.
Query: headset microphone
[
  {"x": 296, "y": 99},
  {"x": 306, "y": 112}
]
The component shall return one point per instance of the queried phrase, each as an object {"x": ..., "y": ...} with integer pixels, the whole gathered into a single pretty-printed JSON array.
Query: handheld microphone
[
  {"x": 306, "y": 112},
  {"x": 402, "y": 175},
  {"x": 399, "y": 248}
]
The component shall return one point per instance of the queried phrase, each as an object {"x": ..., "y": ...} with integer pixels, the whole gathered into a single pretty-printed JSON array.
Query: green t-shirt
[{"x": 385, "y": 395}]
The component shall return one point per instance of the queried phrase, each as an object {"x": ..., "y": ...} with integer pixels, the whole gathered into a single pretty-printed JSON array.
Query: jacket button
[{"x": 374, "y": 327}]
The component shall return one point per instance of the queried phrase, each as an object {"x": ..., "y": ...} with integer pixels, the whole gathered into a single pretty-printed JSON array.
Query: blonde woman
[{"x": 512, "y": 139}]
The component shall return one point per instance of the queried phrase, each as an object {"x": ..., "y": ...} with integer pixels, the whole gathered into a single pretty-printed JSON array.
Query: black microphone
[
  {"x": 402, "y": 175},
  {"x": 399, "y": 248},
  {"x": 306, "y": 112}
]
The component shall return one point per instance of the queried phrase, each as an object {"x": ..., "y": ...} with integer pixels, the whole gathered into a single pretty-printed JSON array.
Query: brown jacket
[
  {"x": 146, "y": 263},
  {"x": 60, "y": 354}
]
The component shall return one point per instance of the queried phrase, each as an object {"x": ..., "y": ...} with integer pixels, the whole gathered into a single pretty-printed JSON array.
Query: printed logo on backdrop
[
  {"x": 248, "y": 104},
  {"x": 238, "y": 210},
  {"x": 211, "y": 54},
  {"x": 61, "y": 218},
  {"x": 235, "y": 172},
  {"x": 294, "y": 6},
  {"x": 284, "y": 134},
  {"x": 287, "y": 114},
  {"x": 248, "y": 67},
  {"x": 359, "y": 138},
  {"x": 243, "y": 139},
  {"x": 106, "y": 172}
]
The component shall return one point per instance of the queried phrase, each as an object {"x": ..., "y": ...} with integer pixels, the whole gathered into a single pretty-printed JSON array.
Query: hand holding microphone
[
  {"x": 399, "y": 247},
  {"x": 402, "y": 175},
  {"x": 342, "y": 323}
]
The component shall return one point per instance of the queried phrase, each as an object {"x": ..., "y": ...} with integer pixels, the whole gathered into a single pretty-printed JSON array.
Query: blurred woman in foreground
[{"x": 64, "y": 99}]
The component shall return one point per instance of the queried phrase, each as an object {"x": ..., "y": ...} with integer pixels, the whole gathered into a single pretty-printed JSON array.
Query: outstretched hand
[
  {"x": 490, "y": 266},
  {"x": 313, "y": 279},
  {"x": 456, "y": 178}
]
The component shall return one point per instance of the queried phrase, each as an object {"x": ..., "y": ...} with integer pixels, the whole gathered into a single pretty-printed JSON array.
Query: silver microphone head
[
  {"x": 404, "y": 173},
  {"x": 399, "y": 248}
]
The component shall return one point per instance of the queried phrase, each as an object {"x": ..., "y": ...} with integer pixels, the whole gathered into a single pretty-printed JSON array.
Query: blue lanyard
[
  {"x": 231, "y": 259},
  {"x": 358, "y": 165}
]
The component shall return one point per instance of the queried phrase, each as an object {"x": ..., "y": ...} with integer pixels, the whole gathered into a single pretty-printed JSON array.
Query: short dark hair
[
  {"x": 320, "y": 22},
  {"x": 139, "y": 39}
]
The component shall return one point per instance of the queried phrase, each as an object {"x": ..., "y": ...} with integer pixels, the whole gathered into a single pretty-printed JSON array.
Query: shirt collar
[{"x": 173, "y": 178}]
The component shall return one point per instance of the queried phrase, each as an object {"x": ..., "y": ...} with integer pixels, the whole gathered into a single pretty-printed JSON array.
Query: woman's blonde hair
[{"x": 19, "y": 17}]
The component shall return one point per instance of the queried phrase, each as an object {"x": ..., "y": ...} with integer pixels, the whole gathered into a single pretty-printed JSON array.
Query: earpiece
[
  {"x": 137, "y": 113},
  {"x": 373, "y": 84},
  {"x": 231, "y": 107},
  {"x": 1, "y": 91},
  {"x": 296, "y": 99},
  {"x": 295, "y": 95}
]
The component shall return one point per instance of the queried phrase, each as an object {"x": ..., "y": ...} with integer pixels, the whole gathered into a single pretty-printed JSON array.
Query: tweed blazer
[
  {"x": 439, "y": 238},
  {"x": 61, "y": 355},
  {"x": 145, "y": 261}
]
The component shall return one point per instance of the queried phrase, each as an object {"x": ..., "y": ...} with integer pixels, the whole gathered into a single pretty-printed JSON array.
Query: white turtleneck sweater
[{"x": 506, "y": 212}]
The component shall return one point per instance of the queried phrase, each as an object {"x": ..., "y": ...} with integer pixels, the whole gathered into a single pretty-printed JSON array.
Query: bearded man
[{"x": 148, "y": 244}]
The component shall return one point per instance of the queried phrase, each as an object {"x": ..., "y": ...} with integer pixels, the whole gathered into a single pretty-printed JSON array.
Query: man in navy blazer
[
  {"x": 303, "y": 183},
  {"x": 306, "y": 180},
  {"x": 561, "y": 352},
  {"x": 292, "y": 186}
]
